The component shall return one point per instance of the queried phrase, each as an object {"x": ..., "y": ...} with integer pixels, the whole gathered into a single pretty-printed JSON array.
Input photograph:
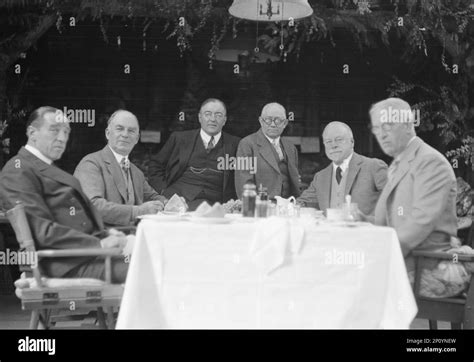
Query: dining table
[{"x": 265, "y": 273}]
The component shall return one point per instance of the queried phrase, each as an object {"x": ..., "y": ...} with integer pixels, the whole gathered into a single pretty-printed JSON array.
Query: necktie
[
  {"x": 125, "y": 165},
  {"x": 338, "y": 175},
  {"x": 391, "y": 170},
  {"x": 277, "y": 147},
  {"x": 210, "y": 145}
]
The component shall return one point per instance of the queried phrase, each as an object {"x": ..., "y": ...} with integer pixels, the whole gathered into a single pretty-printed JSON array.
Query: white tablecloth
[{"x": 191, "y": 275}]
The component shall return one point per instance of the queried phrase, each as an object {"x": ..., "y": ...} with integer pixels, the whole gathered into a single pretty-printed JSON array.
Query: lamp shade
[{"x": 270, "y": 10}]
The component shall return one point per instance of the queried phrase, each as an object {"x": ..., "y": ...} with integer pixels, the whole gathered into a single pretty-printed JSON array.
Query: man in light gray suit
[
  {"x": 115, "y": 186},
  {"x": 276, "y": 159},
  {"x": 419, "y": 200},
  {"x": 349, "y": 174}
]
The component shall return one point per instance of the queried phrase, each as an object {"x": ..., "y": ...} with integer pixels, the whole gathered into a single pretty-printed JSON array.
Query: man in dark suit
[
  {"x": 115, "y": 186},
  {"x": 189, "y": 164},
  {"x": 419, "y": 200},
  {"x": 59, "y": 213},
  {"x": 276, "y": 158},
  {"x": 349, "y": 174}
]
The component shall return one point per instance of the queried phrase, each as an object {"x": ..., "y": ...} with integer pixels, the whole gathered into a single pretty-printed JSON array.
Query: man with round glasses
[
  {"x": 349, "y": 174},
  {"x": 276, "y": 158},
  {"x": 187, "y": 164}
]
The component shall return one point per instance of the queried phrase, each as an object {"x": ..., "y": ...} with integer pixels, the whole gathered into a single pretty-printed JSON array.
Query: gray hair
[{"x": 342, "y": 124}]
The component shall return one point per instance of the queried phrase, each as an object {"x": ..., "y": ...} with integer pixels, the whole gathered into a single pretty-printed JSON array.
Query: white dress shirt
[
  {"x": 344, "y": 165},
  {"x": 206, "y": 138},
  {"x": 273, "y": 140},
  {"x": 118, "y": 156},
  {"x": 38, "y": 154}
]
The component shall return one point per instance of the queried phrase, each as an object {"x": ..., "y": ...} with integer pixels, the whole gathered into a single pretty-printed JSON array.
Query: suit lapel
[
  {"x": 352, "y": 171},
  {"x": 289, "y": 150},
  {"x": 324, "y": 184},
  {"x": 114, "y": 169},
  {"x": 381, "y": 209},
  {"x": 404, "y": 165},
  {"x": 265, "y": 149},
  {"x": 185, "y": 151},
  {"x": 137, "y": 184},
  {"x": 52, "y": 171},
  {"x": 226, "y": 171},
  {"x": 63, "y": 177}
]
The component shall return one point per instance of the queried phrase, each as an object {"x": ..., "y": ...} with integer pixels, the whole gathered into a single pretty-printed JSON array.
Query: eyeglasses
[
  {"x": 337, "y": 141},
  {"x": 386, "y": 127},
  {"x": 277, "y": 120},
  {"x": 217, "y": 115}
]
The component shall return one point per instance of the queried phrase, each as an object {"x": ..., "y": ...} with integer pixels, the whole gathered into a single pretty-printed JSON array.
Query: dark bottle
[
  {"x": 262, "y": 193},
  {"x": 249, "y": 197}
]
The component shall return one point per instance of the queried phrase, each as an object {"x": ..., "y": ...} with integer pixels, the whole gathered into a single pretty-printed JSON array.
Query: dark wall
[{"x": 77, "y": 69}]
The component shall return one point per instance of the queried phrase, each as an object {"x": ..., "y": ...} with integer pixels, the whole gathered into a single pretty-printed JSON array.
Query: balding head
[
  {"x": 122, "y": 132},
  {"x": 392, "y": 124},
  {"x": 338, "y": 141},
  {"x": 273, "y": 120},
  {"x": 340, "y": 128}
]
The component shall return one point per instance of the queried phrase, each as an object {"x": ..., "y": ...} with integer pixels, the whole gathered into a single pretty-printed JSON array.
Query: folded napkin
[
  {"x": 176, "y": 204},
  {"x": 275, "y": 241},
  {"x": 206, "y": 210},
  {"x": 127, "y": 250}
]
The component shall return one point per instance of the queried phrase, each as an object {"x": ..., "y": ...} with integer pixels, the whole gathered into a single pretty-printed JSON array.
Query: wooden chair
[
  {"x": 69, "y": 295},
  {"x": 458, "y": 310}
]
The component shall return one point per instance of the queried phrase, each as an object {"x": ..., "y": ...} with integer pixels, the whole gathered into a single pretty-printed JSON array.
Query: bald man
[
  {"x": 115, "y": 186},
  {"x": 419, "y": 200},
  {"x": 276, "y": 159},
  {"x": 348, "y": 174}
]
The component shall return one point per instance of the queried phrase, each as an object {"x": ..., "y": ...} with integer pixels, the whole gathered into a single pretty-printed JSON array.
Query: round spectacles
[
  {"x": 217, "y": 115},
  {"x": 386, "y": 127},
  {"x": 277, "y": 120}
]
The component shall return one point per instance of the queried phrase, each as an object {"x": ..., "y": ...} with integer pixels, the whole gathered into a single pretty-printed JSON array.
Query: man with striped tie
[
  {"x": 115, "y": 186},
  {"x": 188, "y": 164},
  {"x": 276, "y": 158}
]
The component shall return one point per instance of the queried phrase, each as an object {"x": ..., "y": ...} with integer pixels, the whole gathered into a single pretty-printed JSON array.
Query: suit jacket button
[{"x": 84, "y": 223}]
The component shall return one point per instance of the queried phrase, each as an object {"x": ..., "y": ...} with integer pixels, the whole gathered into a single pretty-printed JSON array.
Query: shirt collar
[
  {"x": 117, "y": 156},
  {"x": 399, "y": 157},
  {"x": 38, "y": 154},
  {"x": 344, "y": 165},
  {"x": 206, "y": 138},
  {"x": 273, "y": 140}
]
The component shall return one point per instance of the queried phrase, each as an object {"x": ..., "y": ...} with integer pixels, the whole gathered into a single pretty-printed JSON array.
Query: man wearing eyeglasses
[
  {"x": 187, "y": 164},
  {"x": 349, "y": 174},
  {"x": 419, "y": 200},
  {"x": 276, "y": 158}
]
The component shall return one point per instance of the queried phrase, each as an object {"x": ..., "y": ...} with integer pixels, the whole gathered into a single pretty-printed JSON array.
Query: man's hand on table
[
  {"x": 150, "y": 207},
  {"x": 364, "y": 217}
]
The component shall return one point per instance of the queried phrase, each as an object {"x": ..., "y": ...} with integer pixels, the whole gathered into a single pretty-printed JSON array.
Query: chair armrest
[
  {"x": 443, "y": 255},
  {"x": 78, "y": 252}
]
